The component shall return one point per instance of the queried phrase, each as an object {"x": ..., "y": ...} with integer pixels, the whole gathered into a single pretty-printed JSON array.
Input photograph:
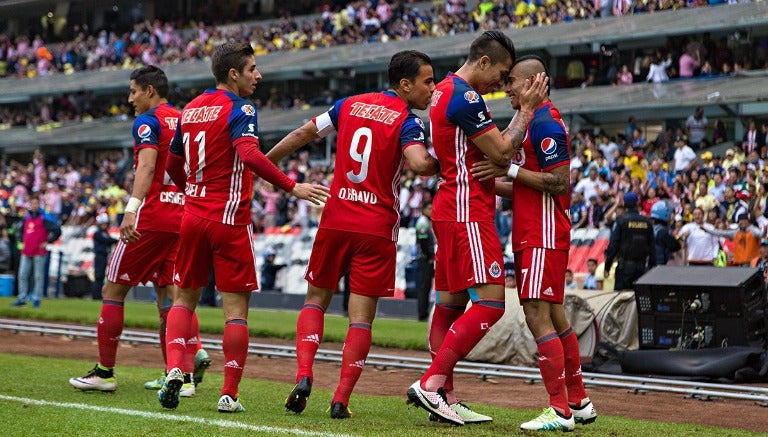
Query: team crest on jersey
[
  {"x": 248, "y": 110},
  {"x": 472, "y": 96},
  {"x": 419, "y": 122},
  {"x": 519, "y": 157},
  {"x": 548, "y": 145},
  {"x": 144, "y": 131},
  {"x": 495, "y": 270}
]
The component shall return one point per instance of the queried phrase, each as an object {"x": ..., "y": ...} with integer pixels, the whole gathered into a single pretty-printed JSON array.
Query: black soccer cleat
[{"x": 297, "y": 400}]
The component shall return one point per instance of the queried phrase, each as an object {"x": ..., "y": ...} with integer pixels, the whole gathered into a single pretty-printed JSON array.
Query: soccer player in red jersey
[
  {"x": 468, "y": 249},
  {"x": 541, "y": 234},
  {"x": 217, "y": 141},
  {"x": 149, "y": 231},
  {"x": 359, "y": 226}
]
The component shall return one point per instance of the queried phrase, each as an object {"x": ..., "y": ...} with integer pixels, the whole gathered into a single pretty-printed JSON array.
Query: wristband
[
  {"x": 133, "y": 205},
  {"x": 513, "y": 169}
]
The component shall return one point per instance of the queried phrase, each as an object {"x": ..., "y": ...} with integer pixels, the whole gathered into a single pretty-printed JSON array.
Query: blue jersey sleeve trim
[
  {"x": 243, "y": 122},
  {"x": 549, "y": 140},
  {"x": 146, "y": 130}
]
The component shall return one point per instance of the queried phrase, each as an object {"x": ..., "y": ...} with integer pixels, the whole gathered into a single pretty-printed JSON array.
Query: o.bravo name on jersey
[
  {"x": 358, "y": 196},
  {"x": 172, "y": 197},
  {"x": 374, "y": 112},
  {"x": 201, "y": 114}
]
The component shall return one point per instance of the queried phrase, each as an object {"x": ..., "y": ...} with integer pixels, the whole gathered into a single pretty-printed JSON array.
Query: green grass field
[{"x": 36, "y": 398}]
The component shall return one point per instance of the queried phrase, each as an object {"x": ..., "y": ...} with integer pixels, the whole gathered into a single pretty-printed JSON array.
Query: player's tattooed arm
[
  {"x": 556, "y": 182},
  {"x": 515, "y": 131}
]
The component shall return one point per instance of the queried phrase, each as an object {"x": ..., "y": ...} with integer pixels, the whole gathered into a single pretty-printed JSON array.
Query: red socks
[
  {"x": 235, "y": 345},
  {"x": 108, "y": 331},
  {"x": 356, "y": 347},
  {"x": 463, "y": 336},
  {"x": 552, "y": 367},
  {"x": 188, "y": 361},
  {"x": 573, "y": 381},
  {"x": 163, "y": 324},
  {"x": 309, "y": 333},
  {"x": 442, "y": 319},
  {"x": 176, "y": 335}
]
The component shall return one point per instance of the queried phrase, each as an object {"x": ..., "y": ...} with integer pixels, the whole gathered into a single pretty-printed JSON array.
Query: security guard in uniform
[{"x": 632, "y": 243}]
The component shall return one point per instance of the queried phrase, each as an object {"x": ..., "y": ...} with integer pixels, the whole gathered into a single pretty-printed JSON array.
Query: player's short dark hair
[
  {"x": 494, "y": 44},
  {"x": 228, "y": 56},
  {"x": 151, "y": 75},
  {"x": 406, "y": 65},
  {"x": 540, "y": 61}
]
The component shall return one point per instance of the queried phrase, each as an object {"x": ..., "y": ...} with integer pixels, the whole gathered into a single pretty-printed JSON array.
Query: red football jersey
[
  {"x": 163, "y": 205},
  {"x": 458, "y": 114},
  {"x": 542, "y": 219},
  {"x": 219, "y": 185},
  {"x": 373, "y": 130}
]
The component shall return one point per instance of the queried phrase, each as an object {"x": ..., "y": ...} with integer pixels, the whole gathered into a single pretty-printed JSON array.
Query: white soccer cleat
[
  {"x": 434, "y": 402},
  {"x": 229, "y": 405},
  {"x": 584, "y": 415},
  {"x": 187, "y": 390},
  {"x": 469, "y": 416},
  {"x": 549, "y": 420},
  {"x": 96, "y": 380},
  {"x": 169, "y": 394}
]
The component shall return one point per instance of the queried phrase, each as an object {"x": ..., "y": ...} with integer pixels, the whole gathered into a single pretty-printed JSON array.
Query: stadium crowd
[{"x": 162, "y": 42}]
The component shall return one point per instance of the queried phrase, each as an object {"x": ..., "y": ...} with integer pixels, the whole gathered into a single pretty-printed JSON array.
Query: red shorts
[
  {"x": 369, "y": 259},
  {"x": 227, "y": 248},
  {"x": 149, "y": 259},
  {"x": 540, "y": 274},
  {"x": 467, "y": 254}
]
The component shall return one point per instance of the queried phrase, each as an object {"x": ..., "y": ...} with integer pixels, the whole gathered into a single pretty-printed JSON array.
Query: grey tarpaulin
[{"x": 613, "y": 315}]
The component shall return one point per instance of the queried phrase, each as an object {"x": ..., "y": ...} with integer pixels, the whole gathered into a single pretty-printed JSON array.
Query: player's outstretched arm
[
  {"x": 316, "y": 194},
  {"x": 258, "y": 163},
  {"x": 293, "y": 141}
]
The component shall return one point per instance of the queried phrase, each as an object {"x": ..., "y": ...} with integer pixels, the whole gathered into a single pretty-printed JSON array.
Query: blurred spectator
[
  {"x": 696, "y": 128},
  {"x": 753, "y": 139},
  {"x": 38, "y": 230},
  {"x": 102, "y": 246},
  {"x": 590, "y": 281},
  {"x": 5, "y": 250},
  {"x": 702, "y": 247},
  {"x": 658, "y": 69},
  {"x": 570, "y": 284},
  {"x": 746, "y": 239},
  {"x": 269, "y": 271}
]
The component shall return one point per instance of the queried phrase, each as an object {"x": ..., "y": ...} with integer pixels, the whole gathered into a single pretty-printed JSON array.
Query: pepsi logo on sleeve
[
  {"x": 144, "y": 131},
  {"x": 548, "y": 146}
]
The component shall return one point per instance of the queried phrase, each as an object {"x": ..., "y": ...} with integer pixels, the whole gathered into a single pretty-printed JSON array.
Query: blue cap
[{"x": 630, "y": 199}]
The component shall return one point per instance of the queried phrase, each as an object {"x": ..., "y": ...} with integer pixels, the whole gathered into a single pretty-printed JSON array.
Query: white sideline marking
[{"x": 166, "y": 416}]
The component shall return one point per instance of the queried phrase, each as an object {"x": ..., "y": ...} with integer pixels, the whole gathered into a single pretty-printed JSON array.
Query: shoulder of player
[{"x": 148, "y": 119}]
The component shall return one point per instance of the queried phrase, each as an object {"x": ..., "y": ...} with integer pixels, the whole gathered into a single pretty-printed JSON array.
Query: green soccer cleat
[
  {"x": 202, "y": 362},
  {"x": 155, "y": 384}
]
